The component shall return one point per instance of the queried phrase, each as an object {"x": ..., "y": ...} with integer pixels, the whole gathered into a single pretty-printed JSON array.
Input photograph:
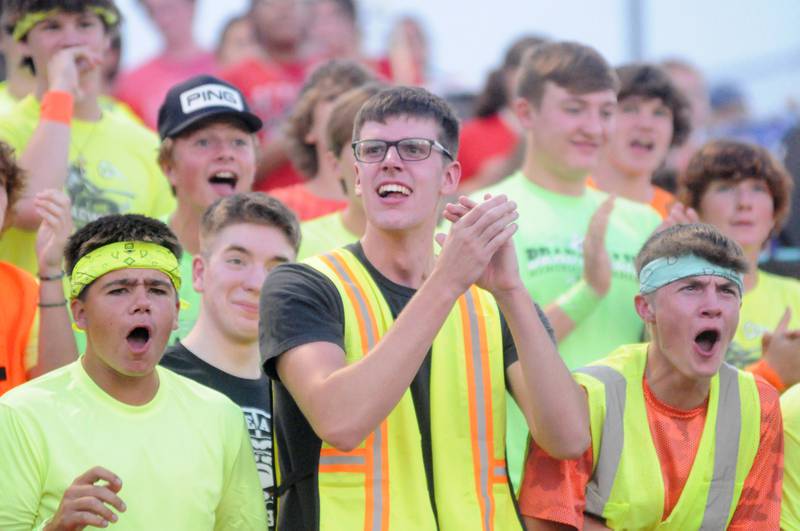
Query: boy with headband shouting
[
  {"x": 680, "y": 439},
  {"x": 112, "y": 438}
]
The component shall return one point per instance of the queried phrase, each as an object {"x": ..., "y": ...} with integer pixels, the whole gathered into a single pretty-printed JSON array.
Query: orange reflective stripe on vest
[{"x": 373, "y": 459}]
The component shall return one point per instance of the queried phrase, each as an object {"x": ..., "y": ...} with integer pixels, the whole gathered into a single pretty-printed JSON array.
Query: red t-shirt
[
  {"x": 304, "y": 204},
  {"x": 271, "y": 89},
  {"x": 484, "y": 139},
  {"x": 555, "y": 490}
]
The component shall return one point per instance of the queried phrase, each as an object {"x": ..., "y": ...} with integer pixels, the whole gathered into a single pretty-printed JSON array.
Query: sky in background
[{"x": 753, "y": 43}]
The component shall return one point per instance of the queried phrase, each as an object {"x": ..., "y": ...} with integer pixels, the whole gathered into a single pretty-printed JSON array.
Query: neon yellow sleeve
[
  {"x": 242, "y": 504},
  {"x": 32, "y": 347},
  {"x": 20, "y": 480}
]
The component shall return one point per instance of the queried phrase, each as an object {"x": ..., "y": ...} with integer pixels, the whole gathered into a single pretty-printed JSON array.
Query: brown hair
[
  {"x": 572, "y": 66},
  {"x": 249, "y": 207},
  {"x": 415, "y": 102},
  {"x": 11, "y": 178},
  {"x": 325, "y": 83},
  {"x": 339, "y": 129},
  {"x": 652, "y": 82},
  {"x": 701, "y": 240},
  {"x": 730, "y": 160}
]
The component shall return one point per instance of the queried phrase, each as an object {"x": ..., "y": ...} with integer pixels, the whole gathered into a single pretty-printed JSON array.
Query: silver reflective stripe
[
  {"x": 500, "y": 472},
  {"x": 480, "y": 407},
  {"x": 341, "y": 460},
  {"x": 377, "y": 444},
  {"x": 726, "y": 451},
  {"x": 599, "y": 488}
]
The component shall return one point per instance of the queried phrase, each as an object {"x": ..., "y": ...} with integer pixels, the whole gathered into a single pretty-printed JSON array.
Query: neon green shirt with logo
[
  {"x": 762, "y": 309},
  {"x": 549, "y": 244},
  {"x": 323, "y": 234},
  {"x": 184, "y": 458},
  {"x": 112, "y": 170}
]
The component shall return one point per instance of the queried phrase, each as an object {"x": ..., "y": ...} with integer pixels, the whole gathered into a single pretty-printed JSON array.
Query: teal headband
[{"x": 665, "y": 270}]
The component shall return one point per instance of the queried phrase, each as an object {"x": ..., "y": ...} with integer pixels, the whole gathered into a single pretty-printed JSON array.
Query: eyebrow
[{"x": 127, "y": 282}]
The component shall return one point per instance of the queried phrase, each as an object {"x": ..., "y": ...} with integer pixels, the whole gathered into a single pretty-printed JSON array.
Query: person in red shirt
[
  {"x": 489, "y": 139},
  {"x": 652, "y": 116},
  {"x": 669, "y": 415},
  {"x": 322, "y": 192},
  {"x": 272, "y": 85}
]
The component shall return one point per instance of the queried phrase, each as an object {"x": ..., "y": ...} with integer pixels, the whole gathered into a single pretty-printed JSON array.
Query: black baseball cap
[{"x": 199, "y": 98}]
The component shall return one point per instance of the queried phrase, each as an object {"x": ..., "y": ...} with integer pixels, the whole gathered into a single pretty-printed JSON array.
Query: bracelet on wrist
[
  {"x": 58, "y": 276},
  {"x": 53, "y": 304},
  {"x": 57, "y": 106}
]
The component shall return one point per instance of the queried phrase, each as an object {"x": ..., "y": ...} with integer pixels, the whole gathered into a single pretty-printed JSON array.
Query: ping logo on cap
[{"x": 210, "y": 95}]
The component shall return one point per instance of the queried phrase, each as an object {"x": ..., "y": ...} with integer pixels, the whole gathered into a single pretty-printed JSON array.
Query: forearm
[
  {"x": 571, "y": 308},
  {"x": 45, "y": 160},
  {"x": 560, "y": 321},
  {"x": 56, "y": 341},
  {"x": 350, "y": 402},
  {"x": 556, "y": 407}
]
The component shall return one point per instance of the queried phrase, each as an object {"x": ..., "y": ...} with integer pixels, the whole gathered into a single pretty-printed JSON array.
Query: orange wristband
[
  {"x": 765, "y": 370},
  {"x": 57, "y": 106}
]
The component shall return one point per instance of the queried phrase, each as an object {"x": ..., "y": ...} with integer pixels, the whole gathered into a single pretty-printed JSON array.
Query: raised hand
[
  {"x": 85, "y": 502},
  {"x": 67, "y": 65},
  {"x": 781, "y": 349},
  {"x": 54, "y": 207},
  {"x": 679, "y": 214},
  {"x": 596, "y": 261},
  {"x": 482, "y": 234}
]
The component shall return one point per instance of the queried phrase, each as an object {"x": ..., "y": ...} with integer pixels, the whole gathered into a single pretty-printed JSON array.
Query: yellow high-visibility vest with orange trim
[{"x": 381, "y": 485}]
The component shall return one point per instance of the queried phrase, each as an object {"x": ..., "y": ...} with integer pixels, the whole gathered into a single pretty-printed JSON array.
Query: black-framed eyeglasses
[{"x": 409, "y": 149}]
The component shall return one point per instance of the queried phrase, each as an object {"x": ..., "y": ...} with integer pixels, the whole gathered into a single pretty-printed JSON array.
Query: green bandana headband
[
  {"x": 663, "y": 271},
  {"x": 123, "y": 255},
  {"x": 26, "y": 23}
]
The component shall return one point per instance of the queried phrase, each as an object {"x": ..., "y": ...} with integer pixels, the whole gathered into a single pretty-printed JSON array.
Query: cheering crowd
[{"x": 289, "y": 286}]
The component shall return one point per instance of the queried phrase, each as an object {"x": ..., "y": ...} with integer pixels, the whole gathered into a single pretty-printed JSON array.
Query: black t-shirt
[
  {"x": 252, "y": 395},
  {"x": 299, "y": 305}
]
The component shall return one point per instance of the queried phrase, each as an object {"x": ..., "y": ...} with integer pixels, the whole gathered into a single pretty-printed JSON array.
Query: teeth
[
  {"x": 385, "y": 189},
  {"x": 224, "y": 175}
]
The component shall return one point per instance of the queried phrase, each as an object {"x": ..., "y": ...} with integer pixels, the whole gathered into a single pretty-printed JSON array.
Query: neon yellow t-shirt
[
  {"x": 790, "y": 506},
  {"x": 323, "y": 234},
  {"x": 7, "y": 101},
  {"x": 762, "y": 309},
  {"x": 190, "y": 301},
  {"x": 112, "y": 169},
  {"x": 184, "y": 458},
  {"x": 549, "y": 244}
]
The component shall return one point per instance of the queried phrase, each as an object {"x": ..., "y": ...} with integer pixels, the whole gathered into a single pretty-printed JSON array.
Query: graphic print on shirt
[
  {"x": 259, "y": 423},
  {"x": 90, "y": 202}
]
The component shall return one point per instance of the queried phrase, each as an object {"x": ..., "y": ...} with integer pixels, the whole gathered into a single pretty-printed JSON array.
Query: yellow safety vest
[
  {"x": 626, "y": 487},
  {"x": 381, "y": 485}
]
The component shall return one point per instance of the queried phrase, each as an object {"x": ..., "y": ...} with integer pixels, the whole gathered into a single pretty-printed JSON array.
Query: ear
[
  {"x": 525, "y": 112},
  {"x": 198, "y": 273},
  {"x": 331, "y": 161},
  {"x": 450, "y": 178},
  {"x": 645, "y": 308},
  {"x": 78, "y": 313},
  {"x": 358, "y": 179}
]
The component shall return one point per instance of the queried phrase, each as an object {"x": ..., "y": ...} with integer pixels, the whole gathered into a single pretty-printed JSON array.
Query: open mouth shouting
[
  {"x": 223, "y": 182},
  {"x": 139, "y": 339},
  {"x": 706, "y": 341},
  {"x": 643, "y": 145},
  {"x": 393, "y": 191}
]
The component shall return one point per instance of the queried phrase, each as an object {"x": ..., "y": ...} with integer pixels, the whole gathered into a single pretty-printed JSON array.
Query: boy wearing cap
[
  {"x": 242, "y": 238},
  {"x": 65, "y": 140},
  {"x": 680, "y": 439},
  {"x": 208, "y": 151},
  {"x": 112, "y": 437}
]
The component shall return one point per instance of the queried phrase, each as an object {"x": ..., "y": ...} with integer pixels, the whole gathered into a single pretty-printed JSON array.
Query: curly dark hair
[
  {"x": 651, "y": 82},
  {"x": 731, "y": 160},
  {"x": 11, "y": 178}
]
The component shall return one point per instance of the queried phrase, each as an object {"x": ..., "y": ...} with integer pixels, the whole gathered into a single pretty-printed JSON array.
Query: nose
[
  {"x": 712, "y": 304},
  {"x": 595, "y": 124},
  {"x": 744, "y": 196},
  {"x": 70, "y": 35},
  {"x": 254, "y": 280},
  {"x": 225, "y": 151},
  {"x": 392, "y": 159},
  {"x": 141, "y": 302}
]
